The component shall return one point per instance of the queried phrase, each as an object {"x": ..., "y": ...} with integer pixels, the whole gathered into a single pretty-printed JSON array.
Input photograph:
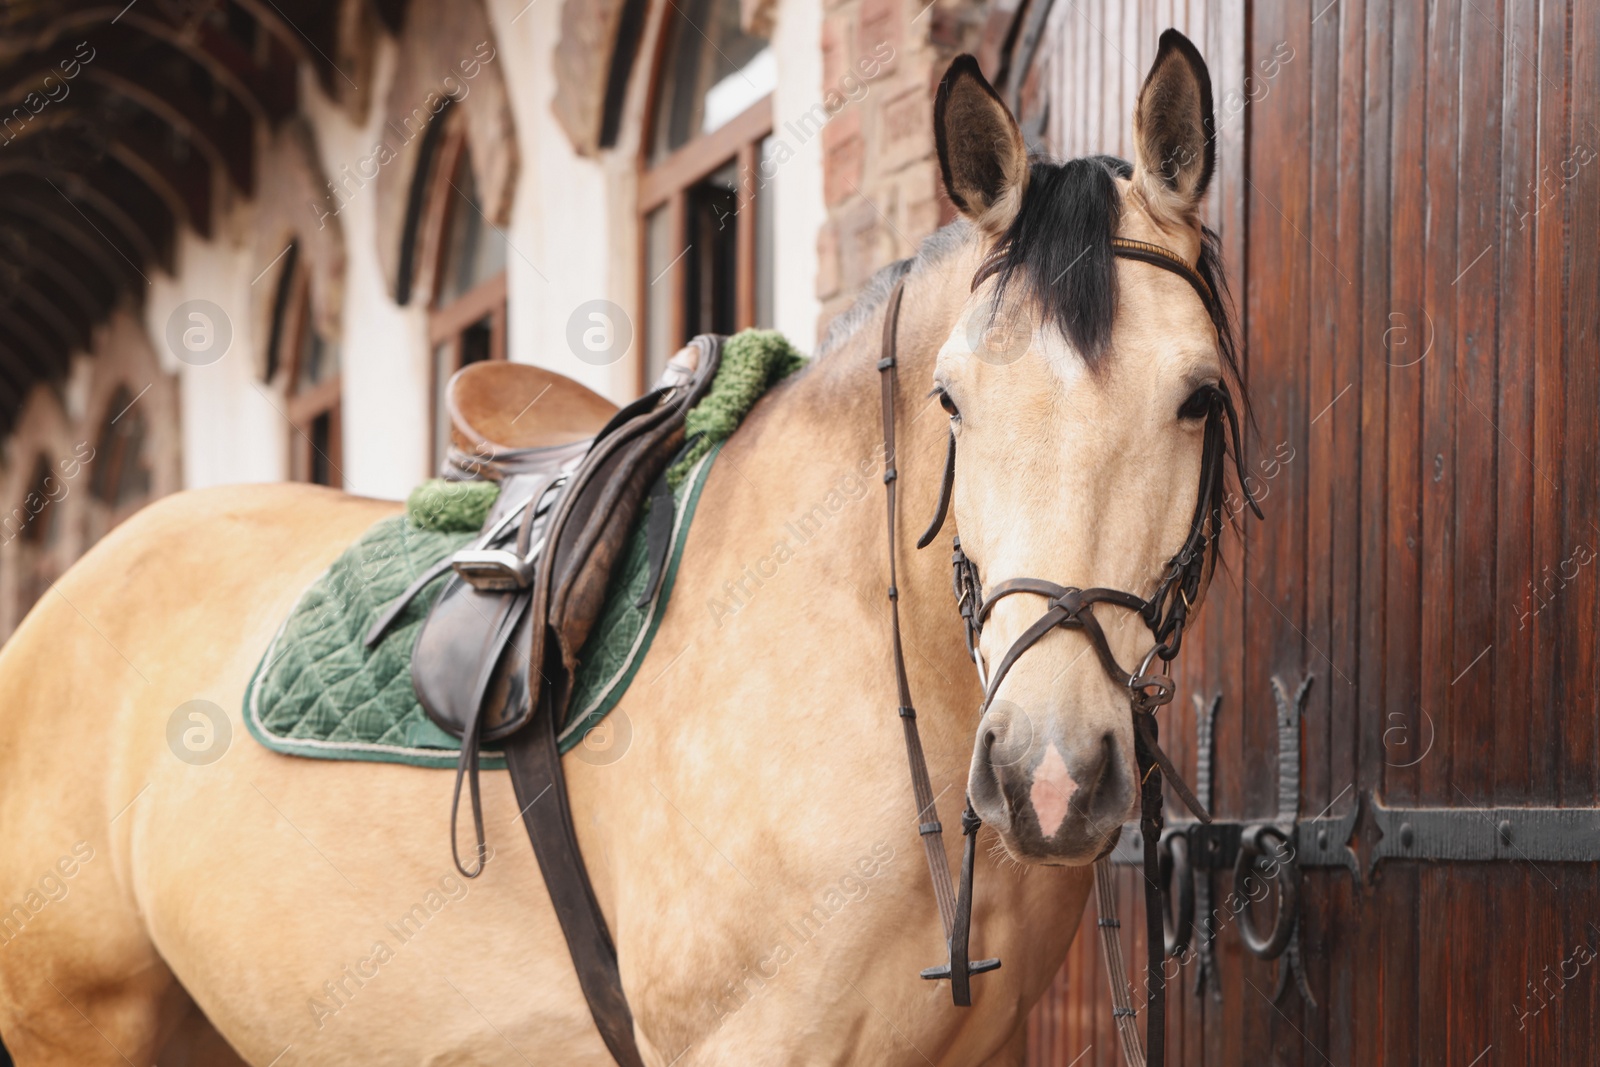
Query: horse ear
[
  {"x": 1174, "y": 130},
  {"x": 981, "y": 152}
]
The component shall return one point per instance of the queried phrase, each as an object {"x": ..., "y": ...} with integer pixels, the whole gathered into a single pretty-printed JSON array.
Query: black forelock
[{"x": 1059, "y": 247}]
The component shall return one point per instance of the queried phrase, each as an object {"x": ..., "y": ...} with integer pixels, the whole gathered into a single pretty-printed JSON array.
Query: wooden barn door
[{"x": 1409, "y": 202}]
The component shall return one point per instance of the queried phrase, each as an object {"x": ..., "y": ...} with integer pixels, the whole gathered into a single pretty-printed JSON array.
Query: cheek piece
[{"x": 1165, "y": 614}]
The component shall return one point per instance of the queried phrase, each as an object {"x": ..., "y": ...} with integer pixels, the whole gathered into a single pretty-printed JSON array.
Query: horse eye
[
  {"x": 1198, "y": 406},
  {"x": 948, "y": 404}
]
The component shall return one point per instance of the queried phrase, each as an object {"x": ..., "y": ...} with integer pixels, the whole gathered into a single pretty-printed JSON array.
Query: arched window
[
  {"x": 309, "y": 363},
  {"x": 467, "y": 317},
  {"x": 705, "y": 213},
  {"x": 120, "y": 473},
  {"x": 40, "y": 516},
  {"x": 39, "y": 531}
]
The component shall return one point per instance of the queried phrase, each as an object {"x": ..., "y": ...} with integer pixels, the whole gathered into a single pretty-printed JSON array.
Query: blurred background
[{"x": 248, "y": 240}]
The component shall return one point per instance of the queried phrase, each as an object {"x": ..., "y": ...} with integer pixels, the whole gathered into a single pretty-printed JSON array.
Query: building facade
[{"x": 259, "y": 240}]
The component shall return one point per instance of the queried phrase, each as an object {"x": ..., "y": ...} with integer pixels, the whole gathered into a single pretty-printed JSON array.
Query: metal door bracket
[{"x": 1266, "y": 857}]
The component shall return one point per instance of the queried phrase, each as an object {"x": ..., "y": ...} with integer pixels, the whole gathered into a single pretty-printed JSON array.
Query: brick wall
[{"x": 883, "y": 59}]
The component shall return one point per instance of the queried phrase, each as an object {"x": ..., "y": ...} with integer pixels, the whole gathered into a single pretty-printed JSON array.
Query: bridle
[{"x": 1165, "y": 614}]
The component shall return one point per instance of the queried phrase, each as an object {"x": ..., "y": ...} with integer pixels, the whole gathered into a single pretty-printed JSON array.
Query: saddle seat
[{"x": 508, "y": 417}]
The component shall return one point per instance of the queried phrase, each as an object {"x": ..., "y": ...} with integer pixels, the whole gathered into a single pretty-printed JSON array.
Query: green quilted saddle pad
[{"x": 319, "y": 693}]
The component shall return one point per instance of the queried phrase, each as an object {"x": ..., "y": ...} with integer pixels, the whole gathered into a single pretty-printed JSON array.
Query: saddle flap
[
  {"x": 470, "y": 657},
  {"x": 567, "y": 523},
  {"x": 609, "y": 492}
]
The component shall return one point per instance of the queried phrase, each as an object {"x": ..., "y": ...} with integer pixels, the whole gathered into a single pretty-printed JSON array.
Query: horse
[{"x": 754, "y": 845}]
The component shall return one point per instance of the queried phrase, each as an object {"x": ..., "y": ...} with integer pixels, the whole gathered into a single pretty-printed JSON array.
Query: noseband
[{"x": 1165, "y": 614}]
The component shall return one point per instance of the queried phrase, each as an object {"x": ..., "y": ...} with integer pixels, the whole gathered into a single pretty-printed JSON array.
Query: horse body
[{"x": 755, "y": 848}]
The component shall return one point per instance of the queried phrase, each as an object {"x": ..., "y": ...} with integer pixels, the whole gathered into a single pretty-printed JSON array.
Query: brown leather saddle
[{"x": 496, "y": 655}]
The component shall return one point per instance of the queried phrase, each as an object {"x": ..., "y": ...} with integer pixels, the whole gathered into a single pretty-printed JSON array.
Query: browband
[
  {"x": 1127, "y": 248},
  {"x": 1166, "y": 259}
]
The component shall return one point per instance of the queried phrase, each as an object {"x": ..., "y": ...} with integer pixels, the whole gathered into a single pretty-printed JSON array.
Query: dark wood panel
[{"x": 1411, "y": 213}]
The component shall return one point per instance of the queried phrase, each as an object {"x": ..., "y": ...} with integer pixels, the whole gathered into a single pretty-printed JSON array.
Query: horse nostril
[{"x": 988, "y": 739}]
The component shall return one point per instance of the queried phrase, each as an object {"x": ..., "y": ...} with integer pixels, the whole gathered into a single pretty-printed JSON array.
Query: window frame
[
  {"x": 114, "y": 453},
  {"x": 37, "y": 557},
  {"x": 448, "y": 322},
  {"x": 303, "y": 407},
  {"x": 668, "y": 183}
]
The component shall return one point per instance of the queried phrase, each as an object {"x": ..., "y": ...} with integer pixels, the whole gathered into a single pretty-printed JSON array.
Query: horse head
[{"x": 1087, "y": 382}]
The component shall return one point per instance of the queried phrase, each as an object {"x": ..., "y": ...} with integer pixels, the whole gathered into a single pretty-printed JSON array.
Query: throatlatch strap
[{"x": 927, "y": 810}]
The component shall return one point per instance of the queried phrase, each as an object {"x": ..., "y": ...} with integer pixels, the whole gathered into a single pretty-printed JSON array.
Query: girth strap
[{"x": 534, "y": 759}]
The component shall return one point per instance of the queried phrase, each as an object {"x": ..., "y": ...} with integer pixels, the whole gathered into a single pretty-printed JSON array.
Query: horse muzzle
[{"x": 1052, "y": 803}]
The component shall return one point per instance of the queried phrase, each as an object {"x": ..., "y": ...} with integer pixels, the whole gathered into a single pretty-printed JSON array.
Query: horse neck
[{"x": 839, "y": 401}]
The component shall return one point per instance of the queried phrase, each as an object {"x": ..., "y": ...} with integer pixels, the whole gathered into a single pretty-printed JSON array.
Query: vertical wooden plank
[
  {"x": 1138, "y": 43},
  {"x": 1407, "y": 258},
  {"x": 1509, "y": 404},
  {"x": 1580, "y": 772},
  {"x": 1399, "y": 694},
  {"x": 1316, "y": 59},
  {"x": 1223, "y": 620},
  {"x": 1094, "y": 72},
  {"x": 1565, "y": 253},
  {"x": 1550, "y": 909},
  {"x": 1516, "y": 558},
  {"x": 1276, "y": 596},
  {"x": 1551, "y": 548},
  {"x": 1108, "y": 27},
  {"x": 1580, "y": 474},
  {"x": 1358, "y": 975},
  {"x": 1432, "y": 339},
  {"x": 1470, "y": 735}
]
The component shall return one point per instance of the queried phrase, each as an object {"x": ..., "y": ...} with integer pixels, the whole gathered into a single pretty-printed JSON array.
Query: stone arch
[
  {"x": 448, "y": 59},
  {"x": 300, "y": 203}
]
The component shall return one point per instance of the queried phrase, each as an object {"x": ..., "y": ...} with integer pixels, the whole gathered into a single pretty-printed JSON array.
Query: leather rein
[{"x": 1165, "y": 614}]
